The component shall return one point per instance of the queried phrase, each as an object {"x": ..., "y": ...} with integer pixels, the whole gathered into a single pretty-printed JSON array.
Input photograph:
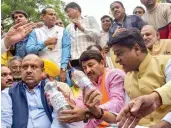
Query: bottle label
[
  {"x": 85, "y": 82},
  {"x": 58, "y": 101}
]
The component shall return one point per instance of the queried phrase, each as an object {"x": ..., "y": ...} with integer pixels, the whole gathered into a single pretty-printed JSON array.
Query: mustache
[
  {"x": 90, "y": 73},
  {"x": 29, "y": 76},
  {"x": 116, "y": 12},
  {"x": 9, "y": 81}
]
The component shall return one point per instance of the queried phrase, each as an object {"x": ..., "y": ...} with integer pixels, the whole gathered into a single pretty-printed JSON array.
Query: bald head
[
  {"x": 31, "y": 71},
  {"x": 150, "y": 27},
  {"x": 35, "y": 58},
  {"x": 150, "y": 35}
]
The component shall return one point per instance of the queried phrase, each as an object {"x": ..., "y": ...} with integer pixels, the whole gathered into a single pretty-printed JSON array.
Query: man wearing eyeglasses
[{"x": 139, "y": 11}]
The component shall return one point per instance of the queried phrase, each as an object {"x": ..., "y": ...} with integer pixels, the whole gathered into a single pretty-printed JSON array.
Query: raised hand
[
  {"x": 106, "y": 49},
  {"x": 17, "y": 33},
  {"x": 118, "y": 30},
  {"x": 78, "y": 24}
]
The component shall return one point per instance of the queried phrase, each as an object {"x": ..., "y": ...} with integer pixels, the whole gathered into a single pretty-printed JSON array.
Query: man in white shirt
[
  {"x": 106, "y": 22},
  {"x": 59, "y": 51},
  {"x": 83, "y": 31}
]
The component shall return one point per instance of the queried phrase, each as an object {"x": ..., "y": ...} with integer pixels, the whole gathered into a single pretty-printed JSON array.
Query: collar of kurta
[
  {"x": 99, "y": 81},
  {"x": 145, "y": 62},
  {"x": 103, "y": 32},
  {"x": 36, "y": 87},
  {"x": 157, "y": 45},
  {"x": 46, "y": 27}
]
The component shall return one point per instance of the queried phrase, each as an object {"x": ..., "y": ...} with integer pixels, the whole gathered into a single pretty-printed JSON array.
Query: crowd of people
[{"x": 128, "y": 60}]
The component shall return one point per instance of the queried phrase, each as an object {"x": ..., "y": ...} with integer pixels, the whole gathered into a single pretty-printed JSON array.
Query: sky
[{"x": 98, "y": 8}]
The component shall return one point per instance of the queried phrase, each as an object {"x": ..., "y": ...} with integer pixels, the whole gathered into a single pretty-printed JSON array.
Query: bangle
[{"x": 101, "y": 114}]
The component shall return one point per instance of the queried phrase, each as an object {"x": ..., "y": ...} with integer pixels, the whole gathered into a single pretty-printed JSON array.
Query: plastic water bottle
[
  {"x": 81, "y": 79},
  {"x": 57, "y": 99}
]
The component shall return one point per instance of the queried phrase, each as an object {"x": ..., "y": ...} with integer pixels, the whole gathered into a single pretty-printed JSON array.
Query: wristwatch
[
  {"x": 63, "y": 69},
  {"x": 86, "y": 116}
]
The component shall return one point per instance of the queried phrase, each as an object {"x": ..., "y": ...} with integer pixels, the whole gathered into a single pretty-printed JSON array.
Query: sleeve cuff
[
  {"x": 164, "y": 93},
  {"x": 43, "y": 45},
  {"x": 3, "y": 47},
  {"x": 85, "y": 31},
  {"x": 167, "y": 118},
  {"x": 64, "y": 66}
]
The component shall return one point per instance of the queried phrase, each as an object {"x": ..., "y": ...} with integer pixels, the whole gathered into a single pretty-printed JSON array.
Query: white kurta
[{"x": 43, "y": 34}]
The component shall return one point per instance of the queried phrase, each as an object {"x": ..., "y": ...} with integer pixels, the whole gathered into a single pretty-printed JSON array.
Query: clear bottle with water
[
  {"x": 57, "y": 99},
  {"x": 81, "y": 79}
]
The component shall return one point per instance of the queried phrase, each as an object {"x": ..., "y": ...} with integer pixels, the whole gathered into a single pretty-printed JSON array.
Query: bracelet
[
  {"x": 86, "y": 116},
  {"x": 101, "y": 114}
]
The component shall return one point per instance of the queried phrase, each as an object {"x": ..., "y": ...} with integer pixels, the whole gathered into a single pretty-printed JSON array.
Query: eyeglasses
[
  {"x": 138, "y": 12},
  {"x": 103, "y": 21},
  {"x": 59, "y": 23}
]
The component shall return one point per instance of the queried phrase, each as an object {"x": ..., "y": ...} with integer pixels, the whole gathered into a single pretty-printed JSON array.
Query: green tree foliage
[
  {"x": 32, "y": 7},
  {"x": 161, "y": 1}
]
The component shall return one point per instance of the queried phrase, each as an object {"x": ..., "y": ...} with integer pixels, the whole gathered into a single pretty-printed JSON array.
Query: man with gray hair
[
  {"x": 159, "y": 16},
  {"x": 14, "y": 65}
]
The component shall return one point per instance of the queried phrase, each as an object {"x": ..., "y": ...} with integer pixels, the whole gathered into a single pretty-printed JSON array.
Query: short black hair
[
  {"x": 73, "y": 5},
  {"x": 91, "y": 54},
  {"x": 18, "y": 12},
  {"x": 118, "y": 3},
  {"x": 129, "y": 38},
  {"x": 139, "y": 7},
  {"x": 44, "y": 10},
  {"x": 95, "y": 45},
  {"x": 106, "y": 16}
]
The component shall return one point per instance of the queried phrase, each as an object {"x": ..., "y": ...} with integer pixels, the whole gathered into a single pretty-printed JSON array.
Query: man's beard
[{"x": 17, "y": 78}]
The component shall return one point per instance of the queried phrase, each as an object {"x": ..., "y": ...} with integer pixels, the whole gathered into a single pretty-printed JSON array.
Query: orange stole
[{"x": 104, "y": 99}]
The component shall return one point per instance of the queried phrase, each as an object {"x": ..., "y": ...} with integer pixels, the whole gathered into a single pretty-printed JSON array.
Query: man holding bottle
[
  {"x": 107, "y": 81},
  {"x": 31, "y": 108}
]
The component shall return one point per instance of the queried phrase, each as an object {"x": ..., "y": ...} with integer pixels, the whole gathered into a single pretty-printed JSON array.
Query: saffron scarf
[{"x": 105, "y": 98}]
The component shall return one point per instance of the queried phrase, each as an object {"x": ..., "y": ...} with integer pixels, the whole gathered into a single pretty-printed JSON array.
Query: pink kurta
[{"x": 114, "y": 83}]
